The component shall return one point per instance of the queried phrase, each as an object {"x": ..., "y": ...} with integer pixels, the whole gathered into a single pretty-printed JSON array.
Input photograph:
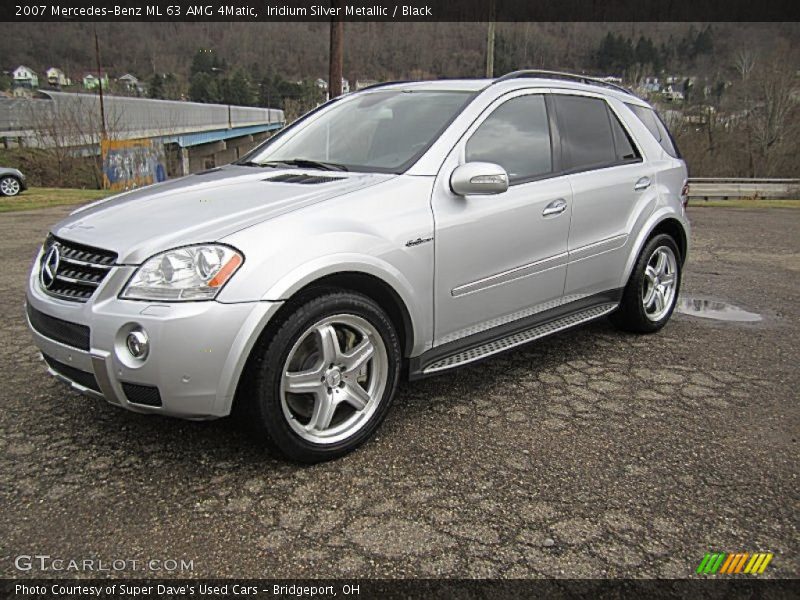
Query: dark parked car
[{"x": 12, "y": 181}]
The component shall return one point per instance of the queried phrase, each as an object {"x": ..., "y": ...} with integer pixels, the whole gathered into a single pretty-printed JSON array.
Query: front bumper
[{"x": 197, "y": 349}]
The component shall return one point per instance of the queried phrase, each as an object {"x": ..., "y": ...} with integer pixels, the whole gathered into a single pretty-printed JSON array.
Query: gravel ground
[{"x": 588, "y": 454}]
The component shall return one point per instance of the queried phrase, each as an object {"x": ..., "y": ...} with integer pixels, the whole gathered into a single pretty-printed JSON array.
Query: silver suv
[{"x": 408, "y": 228}]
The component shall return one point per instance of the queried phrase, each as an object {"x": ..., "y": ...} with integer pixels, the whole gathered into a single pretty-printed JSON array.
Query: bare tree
[
  {"x": 772, "y": 120},
  {"x": 744, "y": 62}
]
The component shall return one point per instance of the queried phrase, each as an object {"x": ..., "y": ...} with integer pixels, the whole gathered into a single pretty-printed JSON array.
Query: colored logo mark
[{"x": 743, "y": 562}]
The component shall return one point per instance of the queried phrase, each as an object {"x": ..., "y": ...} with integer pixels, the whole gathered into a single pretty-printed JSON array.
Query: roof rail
[{"x": 533, "y": 73}]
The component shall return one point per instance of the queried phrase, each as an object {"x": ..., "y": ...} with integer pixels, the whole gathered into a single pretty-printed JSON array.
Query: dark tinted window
[
  {"x": 625, "y": 148},
  {"x": 653, "y": 123},
  {"x": 515, "y": 136},
  {"x": 586, "y": 137}
]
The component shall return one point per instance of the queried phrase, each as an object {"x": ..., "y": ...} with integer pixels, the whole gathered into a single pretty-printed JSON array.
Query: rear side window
[
  {"x": 515, "y": 136},
  {"x": 654, "y": 124},
  {"x": 587, "y": 138},
  {"x": 626, "y": 151}
]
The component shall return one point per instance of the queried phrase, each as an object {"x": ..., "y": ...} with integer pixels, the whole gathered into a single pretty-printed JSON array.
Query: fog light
[{"x": 138, "y": 344}]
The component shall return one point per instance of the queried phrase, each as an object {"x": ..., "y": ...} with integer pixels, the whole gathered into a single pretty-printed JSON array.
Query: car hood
[{"x": 201, "y": 208}]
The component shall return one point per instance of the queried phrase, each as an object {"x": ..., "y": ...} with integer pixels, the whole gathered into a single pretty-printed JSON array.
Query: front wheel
[
  {"x": 325, "y": 380},
  {"x": 10, "y": 186},
  {"x": 652, "y": 290}
]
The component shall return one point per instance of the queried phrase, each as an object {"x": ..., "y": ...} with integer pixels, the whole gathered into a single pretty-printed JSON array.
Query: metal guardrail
[{"x": 707, "y": 188}]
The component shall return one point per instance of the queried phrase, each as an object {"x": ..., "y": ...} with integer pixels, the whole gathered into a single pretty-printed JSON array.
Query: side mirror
[{"x": 480, "y": 178}]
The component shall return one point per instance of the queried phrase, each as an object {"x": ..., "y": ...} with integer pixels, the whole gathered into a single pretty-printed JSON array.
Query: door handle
[
  {"x": 642, "y": 184},
  {"x": 556, "y": 207}
]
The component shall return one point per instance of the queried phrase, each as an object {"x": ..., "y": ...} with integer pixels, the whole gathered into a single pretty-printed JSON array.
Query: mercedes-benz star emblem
[{"x": 50, "y": 267}]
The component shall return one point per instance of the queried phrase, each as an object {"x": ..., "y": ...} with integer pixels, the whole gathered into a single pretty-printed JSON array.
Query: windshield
[{"x": 382, "y": 132}]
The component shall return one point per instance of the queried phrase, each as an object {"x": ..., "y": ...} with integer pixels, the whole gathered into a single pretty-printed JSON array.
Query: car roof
[{"x": 503, "y": 85}]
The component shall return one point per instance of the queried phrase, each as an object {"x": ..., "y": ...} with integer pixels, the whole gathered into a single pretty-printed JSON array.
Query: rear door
[{"x": 612, "y": 189}]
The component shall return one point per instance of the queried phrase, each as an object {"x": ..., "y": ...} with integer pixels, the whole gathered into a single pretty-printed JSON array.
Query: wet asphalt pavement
[{"x": 589, "y": 454}]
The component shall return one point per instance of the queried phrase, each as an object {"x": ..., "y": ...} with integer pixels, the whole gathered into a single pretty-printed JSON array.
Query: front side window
[
  {"x": 587, "y": 139},
  {"x": 382, "y": 131},
  {"x": 515, "y": 136}
]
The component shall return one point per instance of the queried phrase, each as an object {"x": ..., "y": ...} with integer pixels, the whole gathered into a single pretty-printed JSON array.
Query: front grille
[
  {"x": 71, "y": 334},
  {"x": 142, "y": 394},
  {"x": 83, "y": 378},
  {"x": 76, "y": 270}
]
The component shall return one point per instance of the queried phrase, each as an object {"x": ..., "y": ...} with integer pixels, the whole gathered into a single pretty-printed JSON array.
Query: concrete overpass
[{"x": 195, "y": 135}]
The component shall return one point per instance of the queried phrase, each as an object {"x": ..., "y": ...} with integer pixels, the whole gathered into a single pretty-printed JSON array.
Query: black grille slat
[
  {"x": 146, "y": 395},
  {"x": 70, "y": 334},
  {"x": 76, "y": 278},
  {"x": 80, "y": 271},
  {"x": 84, "y": 264},
  {"x": 83, "y": 378}
]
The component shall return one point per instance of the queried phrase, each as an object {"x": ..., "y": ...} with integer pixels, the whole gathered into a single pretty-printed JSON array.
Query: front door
[{"x": 501, "y": 257}]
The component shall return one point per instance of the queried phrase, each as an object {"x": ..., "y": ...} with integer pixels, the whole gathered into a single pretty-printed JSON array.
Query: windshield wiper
[
  {"x": 306, "y": 163},
  {"x": 309, "y": 164},
  {"x": 252, "y": 163}
]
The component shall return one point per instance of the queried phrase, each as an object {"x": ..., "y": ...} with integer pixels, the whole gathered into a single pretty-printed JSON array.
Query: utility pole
[
  {"x": 336, "y": 54},
  {"x": 100, "y": 86},
  {"x": 490, "y": 41}
]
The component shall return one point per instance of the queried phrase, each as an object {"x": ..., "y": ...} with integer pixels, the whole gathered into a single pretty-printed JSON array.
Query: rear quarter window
[{"x": 656, "y": 126}]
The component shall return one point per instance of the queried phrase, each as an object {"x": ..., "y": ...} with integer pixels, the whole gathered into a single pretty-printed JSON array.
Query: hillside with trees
[{"x": 736, "y": 111}]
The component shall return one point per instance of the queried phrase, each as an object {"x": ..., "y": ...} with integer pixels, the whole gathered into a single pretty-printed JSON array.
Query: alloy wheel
[
  {"x": 334, "y": 378},
  {"x": 9, "y": 186},
  {"x": 660, "y": 283}
]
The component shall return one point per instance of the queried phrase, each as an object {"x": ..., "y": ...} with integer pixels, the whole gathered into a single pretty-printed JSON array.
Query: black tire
[
  {"x": 631, "y": 315},
  {"x": 10, "y": 179},
  {"x": 263, "y": 395}
]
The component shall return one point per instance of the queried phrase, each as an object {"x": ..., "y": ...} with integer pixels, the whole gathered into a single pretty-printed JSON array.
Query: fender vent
[{"x": 302, "y": 179}]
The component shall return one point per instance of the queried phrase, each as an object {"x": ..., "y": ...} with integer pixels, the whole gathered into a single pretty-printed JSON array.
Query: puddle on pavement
[{"x": 711, "y": 309}]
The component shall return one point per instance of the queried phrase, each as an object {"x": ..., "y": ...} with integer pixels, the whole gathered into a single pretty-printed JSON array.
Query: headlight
[{"x": 190, "y": 273}]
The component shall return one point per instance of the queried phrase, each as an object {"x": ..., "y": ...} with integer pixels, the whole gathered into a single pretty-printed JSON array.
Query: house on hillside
[
  {"x": 20, "y": 91},
  {"x": 56, "y": 77},
  {"x": 365, "y": 83},
  {"x": 91, "y": 81},
  {"x": 651, "y": 85},
  {"x": 673, "y": 93},
  {"x": 130, "y": 83},
  {"x": 25, "y": 77},
  {"x": 323, "y": 85}
]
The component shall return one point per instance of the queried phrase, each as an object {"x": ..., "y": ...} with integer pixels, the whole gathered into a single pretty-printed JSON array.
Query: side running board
[{"x": 517, "y": 339}]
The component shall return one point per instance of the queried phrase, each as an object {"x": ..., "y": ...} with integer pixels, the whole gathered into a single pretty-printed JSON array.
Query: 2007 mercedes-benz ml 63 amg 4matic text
[{"x": 407, "y": 228}]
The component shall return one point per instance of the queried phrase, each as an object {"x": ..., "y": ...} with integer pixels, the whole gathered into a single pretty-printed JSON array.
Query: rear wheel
[
  {"x": 325, "y": 380},
  {"x": 652, "y": 290},
  {"x": 10, "y": 186}
]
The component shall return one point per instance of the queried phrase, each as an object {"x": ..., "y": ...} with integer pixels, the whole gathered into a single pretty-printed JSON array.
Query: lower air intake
[{"x": 146, "y": 395}]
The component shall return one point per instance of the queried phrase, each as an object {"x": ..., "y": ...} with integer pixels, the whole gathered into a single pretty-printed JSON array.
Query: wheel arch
[
  {"x": 667, "y": 222},
  {"x": 675, "y": 230},
  {"x": 370, "y": 285}
]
